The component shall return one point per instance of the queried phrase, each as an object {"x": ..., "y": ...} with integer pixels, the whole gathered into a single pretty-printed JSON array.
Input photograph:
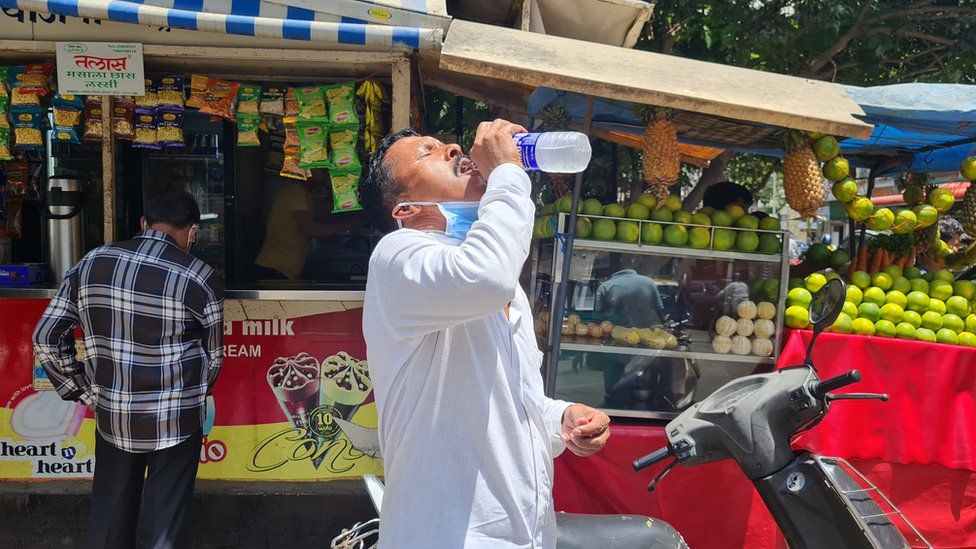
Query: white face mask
[{"x": 458, "y": 216}]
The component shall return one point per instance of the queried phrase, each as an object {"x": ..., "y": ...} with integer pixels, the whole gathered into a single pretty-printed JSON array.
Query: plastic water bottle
[{"x": 554, "y": 152}]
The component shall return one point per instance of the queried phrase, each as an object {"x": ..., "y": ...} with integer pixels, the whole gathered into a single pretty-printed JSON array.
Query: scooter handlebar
[
  {"x": 821, "y": 388},
  {"x": 652, "y": 458}
]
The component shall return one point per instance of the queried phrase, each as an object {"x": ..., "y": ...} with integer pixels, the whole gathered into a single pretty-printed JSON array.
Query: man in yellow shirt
[{"x": 291, "y": 225}]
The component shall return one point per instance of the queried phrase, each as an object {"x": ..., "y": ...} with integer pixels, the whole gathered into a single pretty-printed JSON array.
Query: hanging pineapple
[
  {"x": 967, "y": 215},
  {"x": 661, "y": 158},
  {"x": 926, "y": 243},
  {"x": 802, "y": 178}
]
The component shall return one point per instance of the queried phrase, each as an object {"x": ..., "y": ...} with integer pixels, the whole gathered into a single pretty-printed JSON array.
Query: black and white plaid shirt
[{"x": 152, "y": 319}]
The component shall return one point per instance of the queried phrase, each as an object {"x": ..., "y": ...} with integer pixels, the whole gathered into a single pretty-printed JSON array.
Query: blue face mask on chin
[{"x": 458, "y": 216}]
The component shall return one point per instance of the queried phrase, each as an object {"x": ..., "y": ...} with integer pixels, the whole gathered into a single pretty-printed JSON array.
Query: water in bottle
[{"x": 554, "y": 152}]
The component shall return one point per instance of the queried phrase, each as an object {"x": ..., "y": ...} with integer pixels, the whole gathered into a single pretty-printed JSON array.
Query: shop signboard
[
  {"x": 293, "y": 402},
  {"x": 100, "y": 68}
]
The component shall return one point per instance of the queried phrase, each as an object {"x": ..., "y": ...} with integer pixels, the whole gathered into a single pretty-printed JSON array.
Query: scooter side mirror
[{"x": 825, "y": 307}]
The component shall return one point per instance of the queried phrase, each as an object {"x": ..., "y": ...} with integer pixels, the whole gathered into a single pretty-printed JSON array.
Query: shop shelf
[{"x": 665, "y": 353}]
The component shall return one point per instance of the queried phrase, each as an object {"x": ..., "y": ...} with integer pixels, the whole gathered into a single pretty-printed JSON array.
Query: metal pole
[
  {"x": 559, "y": 305},
  {"x": 108, "y": 171}
]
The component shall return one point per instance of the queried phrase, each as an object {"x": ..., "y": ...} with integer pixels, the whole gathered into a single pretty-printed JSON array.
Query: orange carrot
[
  {"x": 862, "y": 259},
  {"x": 876, "y": 261}
]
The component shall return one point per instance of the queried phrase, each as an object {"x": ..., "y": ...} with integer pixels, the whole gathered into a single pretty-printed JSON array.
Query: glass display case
[{"x": 649, "y": 329}]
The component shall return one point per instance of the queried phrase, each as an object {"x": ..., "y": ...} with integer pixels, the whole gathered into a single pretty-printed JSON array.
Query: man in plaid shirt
[{"x": 152, "y": 319}]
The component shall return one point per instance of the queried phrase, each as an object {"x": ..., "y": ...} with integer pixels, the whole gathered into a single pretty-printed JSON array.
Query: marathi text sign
[{"x": 98, "y": 68}]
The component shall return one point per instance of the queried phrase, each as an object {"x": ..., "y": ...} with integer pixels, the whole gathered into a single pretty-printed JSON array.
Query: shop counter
[{"x": 918, "y": 448}]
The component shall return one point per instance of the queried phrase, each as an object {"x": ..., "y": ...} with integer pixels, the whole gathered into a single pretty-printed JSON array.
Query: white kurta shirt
[{"x": 468, "y": 436}]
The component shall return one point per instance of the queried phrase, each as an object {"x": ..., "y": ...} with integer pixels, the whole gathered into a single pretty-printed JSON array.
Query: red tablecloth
[{"x": 916, "y": 448}]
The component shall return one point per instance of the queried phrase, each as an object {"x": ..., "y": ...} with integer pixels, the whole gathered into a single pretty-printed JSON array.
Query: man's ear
[
  {"x": 402, "y": 213},
  {"x": 143, "y": 224}
]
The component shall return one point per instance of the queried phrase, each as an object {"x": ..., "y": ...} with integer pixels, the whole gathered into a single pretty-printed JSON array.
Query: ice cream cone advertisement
[{"x": 293, "y": 402}]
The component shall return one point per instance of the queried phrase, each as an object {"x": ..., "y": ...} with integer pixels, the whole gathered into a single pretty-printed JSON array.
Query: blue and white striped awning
[{"x": 356, "y": 23}]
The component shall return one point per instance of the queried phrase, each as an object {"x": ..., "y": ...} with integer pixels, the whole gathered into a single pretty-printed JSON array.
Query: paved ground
[{"x": 226, "y": 515}]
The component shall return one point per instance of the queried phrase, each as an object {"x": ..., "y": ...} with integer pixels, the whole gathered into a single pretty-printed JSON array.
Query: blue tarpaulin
[{"x": 917, "y": 127}]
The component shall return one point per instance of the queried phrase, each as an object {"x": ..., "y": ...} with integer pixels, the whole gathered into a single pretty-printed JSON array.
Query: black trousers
[{"x": 163, "y": 479}]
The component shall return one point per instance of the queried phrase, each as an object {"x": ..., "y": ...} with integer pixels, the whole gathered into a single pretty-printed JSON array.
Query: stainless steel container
[{"x": 62, "y": 207}]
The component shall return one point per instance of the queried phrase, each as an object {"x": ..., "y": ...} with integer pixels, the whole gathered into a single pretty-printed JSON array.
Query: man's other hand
[
  {"x": 494, "y": 146},
  {"x": 585, "y": 429}
]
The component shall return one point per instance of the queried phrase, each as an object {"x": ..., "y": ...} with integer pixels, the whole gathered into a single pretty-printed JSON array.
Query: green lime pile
[{"x": 930, "y": 307}]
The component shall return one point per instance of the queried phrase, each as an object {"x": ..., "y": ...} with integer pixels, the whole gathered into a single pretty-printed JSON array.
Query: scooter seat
[{"x": 616, "y": 531}]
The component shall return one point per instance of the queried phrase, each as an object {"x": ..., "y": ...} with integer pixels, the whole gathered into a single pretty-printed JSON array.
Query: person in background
[
  {"x": 467, "y": 433},
  {"x": 152, "y": 319},
  {"x": 290, "y": 227},
  {"x": 725, "y": 194},
  {"x": 951, "y": 232},
  {"x": 629, "y": 298}
]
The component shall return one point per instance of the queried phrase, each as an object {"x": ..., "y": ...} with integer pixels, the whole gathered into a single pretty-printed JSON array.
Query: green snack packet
[
  {"x": 311, "y": 104},
  {"x": 5, "y": 143},
  {"x": 313, "y": 145},
  {"x": 247, "y": 130},
  {"x": 248, "y": 99},
  {"x": 345, "y": 189},
  {"x": 343, "y": 152},
  {"x": 342, "y": 105}
]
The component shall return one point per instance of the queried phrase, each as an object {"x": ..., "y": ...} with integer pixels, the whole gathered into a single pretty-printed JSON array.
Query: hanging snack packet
[
  {"x": 5, "y": 143},
  {"x": 28, "y": 132},
  {"x": 122, "y": 111},
  {"x": 314, "y": 152},
  {"x": 151, "y": 99},
  {"x": 291, "y": 103},
  {"x": 169, "y": 122},
  {"x": 342, "y": 105},
  {"x": 342, "y": 145},
  {"x": 291, "y": 145},
  {"x": 291, "y": 169},
  {"x": 20, "y": 99},
  {"x": 93, "y": 118},
  {"x": 219, "y": 99},
  {"x": 170, "y": 90},
  {"x": 273, "y": 100},
  {"x": 248, "y": 99},
  {"x": 35, "y": 79},
  {"x": 247, "y": 130},
  {"x": 66, "y": 101},
  {"x": 67, "y": 118},
  {"x": 345, "y": 190},
  {"x": 198, "y": 90},
  {"x": 311, "y": 104},
  {"x": 144, "y": 126}
]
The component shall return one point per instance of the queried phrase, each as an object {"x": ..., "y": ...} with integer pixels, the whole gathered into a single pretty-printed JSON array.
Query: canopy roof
[{"x": 919, "y": 127}]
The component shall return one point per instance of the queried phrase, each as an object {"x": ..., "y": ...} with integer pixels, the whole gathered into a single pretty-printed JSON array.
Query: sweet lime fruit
[
  {"x": 584, "y": 227},
  {"x": 925, "y": 334},
  {"x": 912, "y": 273},
  {"x": 968, "y": 168},
  {"x": 897, "y": 298},
  {"x": 964, "y": 288},
  {"x": 682, "y": 217},
  {"x": 944, "y": 274},
  {"x": 845, "y": 190},
  {"x": 672, "y": 202},
  {"x": 940, "y": 289},
  {"x": 750, "y": 222},
  {"x": 953, "y": 322},
  {"x": 957, "y": 305},
  {"x": 797, "y": 317},
  {"x": 854, "y": 295},
  {"x": 701, "y": 219},
  {"x": 826, "y": 148},
  {"x": 799, "y": 296},
  {"x": 565, "y": 204},
  {"x": 724, "y": 239},
  {"x": 592, "y": 206},
  {"x": 905, "y": 222},
  {"x": 881, "y": 220},
  {"x": 735, "y": 211},
  {"x": 815, "y": 281},
  {"x": 894, "y": 271},
  {"x": 901, "y": 284},
  {"x": 771, "y": 289},
  {"x": 849, "y": 309},
  {"x": 837, "y": 168},
  {"x": 628, "y": 231},
  {"x": 638, "y": 211},
  {"x": 662, "y": 215},
  {"x": 651, "y": 233},
  {"x": 818, "y": 252},
  {"x": 604, "y": 229},
  {"x": 912, "y": 318},
  {"x": 918, "y": 302},
  {"x": 707, "y": 210},
  {"x": 843, "y": 325},
  {"x": 942, "y": 199},
  {"x": 971, "y": 323},
  {"x": 721, "y": 218},
  {"x": 676, "y": 235},
  {"x": 926, "y": 214},
  {"x": 769, "y": 243},
  {"x": 648, "y": 200},
  {"x": 795, "y": 283},
  {"x": 968, "y": 339},
  {"x": 747, "y": 241},
  {"x": 919, "y": 285},
  {"x": 699, "y": 237},
  {"x": 861, "y": 209},
  {"x": 947, "y": 336},
  {"x": 615, "y": 210},
  {"x": 874, "y": 295},
  {"x": 905, "y": 330},
  {"x": 892, "y": 312},
  {"x": 882, "y": 280},
  {"x": 861, "y": 279},
  {"x": 884, "y": 328},
  {"x": 869, "y": 311},
  {"x": 863, "y": 326},
  {"x": 770, "y": 223},
  {"x": 931, "y": 320}
]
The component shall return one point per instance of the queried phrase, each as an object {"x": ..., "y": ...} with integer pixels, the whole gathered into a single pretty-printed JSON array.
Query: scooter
[{"x": 818, "y": 502}]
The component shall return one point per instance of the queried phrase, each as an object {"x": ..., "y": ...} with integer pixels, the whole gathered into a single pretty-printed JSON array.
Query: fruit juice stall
[
  {"x": 901, "y": 290},
  {"x": 261, "y": 113}
]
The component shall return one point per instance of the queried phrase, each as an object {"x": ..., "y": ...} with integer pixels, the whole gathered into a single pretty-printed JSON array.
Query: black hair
[
  {"x": 949, "y": 228},
  {"x": 176, "y": 208},
  {"x": 723, "y": 194},
  {"x": 379, "y": 190}
]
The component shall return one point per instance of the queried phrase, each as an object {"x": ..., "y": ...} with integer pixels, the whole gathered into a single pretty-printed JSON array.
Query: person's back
[
  {"x": 285, "y": 247},
  {"x": 631, "y": 298},
  {"x": 152, "y": 319}
]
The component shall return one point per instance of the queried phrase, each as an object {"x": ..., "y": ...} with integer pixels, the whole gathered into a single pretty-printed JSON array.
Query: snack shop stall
[
  {"x": 612, "y": 347},
  {"x": 267, "y": 119}
]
